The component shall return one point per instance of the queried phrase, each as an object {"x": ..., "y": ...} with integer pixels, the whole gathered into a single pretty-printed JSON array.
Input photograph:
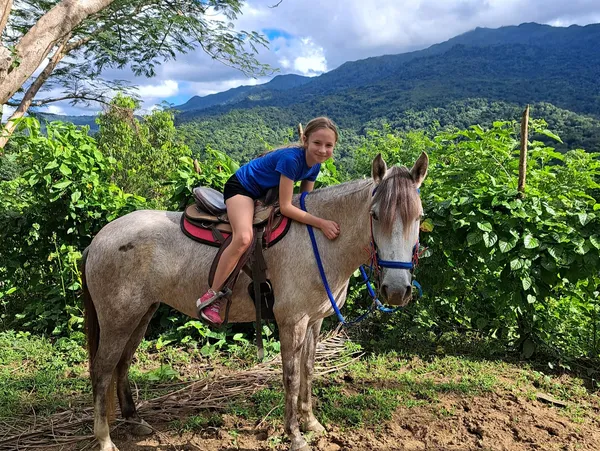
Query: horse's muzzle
[{"x": 400, "y": 295}]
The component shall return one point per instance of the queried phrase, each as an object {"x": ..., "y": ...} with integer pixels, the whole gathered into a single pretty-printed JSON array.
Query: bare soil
[{"x": 496, "y": 421}]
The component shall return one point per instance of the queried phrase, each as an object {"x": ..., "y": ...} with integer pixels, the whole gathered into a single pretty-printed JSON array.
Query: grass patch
[
  {"x": 36, "y": 376},
  {"x": 370, "y": 407},
  {"x": 264, "y": 405},
  {"x": 197, "y": 423}
]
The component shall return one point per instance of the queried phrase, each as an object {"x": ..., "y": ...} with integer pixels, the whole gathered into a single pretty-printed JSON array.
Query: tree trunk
[
  {"x": 523, "y": 154},
  {"x": 8, "y": 130},
  {"x": 38, "y": 42},
  {"x": 5, "y": 7},
  {"x": 5, "y": 56}
]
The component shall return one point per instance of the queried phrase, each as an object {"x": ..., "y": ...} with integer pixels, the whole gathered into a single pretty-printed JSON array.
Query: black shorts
[{"x": 233, "y": 187}]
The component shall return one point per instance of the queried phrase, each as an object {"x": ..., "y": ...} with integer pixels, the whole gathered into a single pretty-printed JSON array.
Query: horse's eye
[{"x": 374, "y": 215}]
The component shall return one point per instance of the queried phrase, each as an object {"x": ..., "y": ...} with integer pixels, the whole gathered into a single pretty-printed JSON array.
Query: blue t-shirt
[{"x": 261, "y": 174}]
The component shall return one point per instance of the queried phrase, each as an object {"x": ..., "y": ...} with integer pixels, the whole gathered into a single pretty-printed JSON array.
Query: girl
[{"x": 281, "y": 167}]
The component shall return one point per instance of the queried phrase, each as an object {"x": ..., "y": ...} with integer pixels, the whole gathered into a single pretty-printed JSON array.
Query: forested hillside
[
  {"x": 473, "y": 78},
  {"x": 246, "y": 133}
]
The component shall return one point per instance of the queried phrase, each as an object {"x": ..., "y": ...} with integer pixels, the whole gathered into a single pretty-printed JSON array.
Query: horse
[{"x": 142, "y": 259}]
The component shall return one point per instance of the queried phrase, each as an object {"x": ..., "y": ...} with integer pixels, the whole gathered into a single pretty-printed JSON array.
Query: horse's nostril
[
  {"x": 384, "y": 291},
  {"x": 408, "y": 290}
]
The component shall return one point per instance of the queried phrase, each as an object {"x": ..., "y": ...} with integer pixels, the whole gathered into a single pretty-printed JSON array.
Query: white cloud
[
  {"x": 167, "y": 88},
  {"x": 55, "y": 109},
  {"x": 206, "y": 88},
  {"x": 7, "y": 111},
  {"x": 311, "y": 65}
]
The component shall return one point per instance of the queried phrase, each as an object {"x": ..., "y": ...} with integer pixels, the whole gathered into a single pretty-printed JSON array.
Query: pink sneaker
[
  {"x": 206, "y": 299},
  {"x": 211, "y": 313}
]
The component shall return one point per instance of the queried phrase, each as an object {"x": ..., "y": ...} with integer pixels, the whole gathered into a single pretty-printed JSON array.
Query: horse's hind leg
[
  {"x": 110, "y": 349},
  {"x": 292, "y": 341},
  {"x": 308, "y": 422},
  {"x": 123, "y": 388}
]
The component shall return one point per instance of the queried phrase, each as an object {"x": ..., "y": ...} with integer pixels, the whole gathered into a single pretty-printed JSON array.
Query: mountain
[
  {"x": 523, "y": 64},
  {"x": 231, "y": 96},
  {"x": 477, "y": 77},
  {"x": 89, "y": 121}
]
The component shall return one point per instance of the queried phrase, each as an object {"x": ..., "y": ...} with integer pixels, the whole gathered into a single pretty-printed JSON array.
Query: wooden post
[
  {"x": 523, "y": 155},
  {"x": 197, "y": 167}
]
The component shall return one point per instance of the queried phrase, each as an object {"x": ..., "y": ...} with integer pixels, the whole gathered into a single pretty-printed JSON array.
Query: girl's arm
[{"x": 286, "y": 190}]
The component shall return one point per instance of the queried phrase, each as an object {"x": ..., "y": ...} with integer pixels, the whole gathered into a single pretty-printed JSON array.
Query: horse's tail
[{"x": 92, "y": 333}]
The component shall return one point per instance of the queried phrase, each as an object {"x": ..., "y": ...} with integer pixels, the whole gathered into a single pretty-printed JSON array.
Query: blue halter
[{"x": 380, "y": 264}]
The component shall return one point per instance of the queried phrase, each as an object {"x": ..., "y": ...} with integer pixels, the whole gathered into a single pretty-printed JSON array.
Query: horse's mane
[{"x": 395, "y": 194}]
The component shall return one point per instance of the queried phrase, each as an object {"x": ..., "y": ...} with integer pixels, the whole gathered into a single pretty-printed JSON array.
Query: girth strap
[{"x": 259, "y": 276}]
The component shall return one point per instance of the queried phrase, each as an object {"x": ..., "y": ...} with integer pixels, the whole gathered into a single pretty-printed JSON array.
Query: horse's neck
[{"x": 348, "y": 205}]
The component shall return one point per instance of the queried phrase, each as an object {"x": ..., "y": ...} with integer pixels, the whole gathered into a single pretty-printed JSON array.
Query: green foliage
[
  {"x": 49, "y": 213},
  {"x": 212, "y": 172},
  {"x": 504, "y": 265},
  {"x": 242, "y": 135},
  {"x": 197, "y": 423},
  {"x": 144, "y": 150}
]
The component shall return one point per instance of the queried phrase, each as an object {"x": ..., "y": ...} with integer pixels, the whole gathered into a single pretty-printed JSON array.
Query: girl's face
[{"x": 319, "y": 146}]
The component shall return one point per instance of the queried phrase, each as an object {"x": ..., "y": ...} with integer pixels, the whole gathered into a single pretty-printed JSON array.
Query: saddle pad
[{"x": 204, "y": 235}]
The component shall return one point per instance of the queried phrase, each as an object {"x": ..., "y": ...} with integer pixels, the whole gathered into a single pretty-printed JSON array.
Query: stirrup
[{"x": 225, "y": 293}]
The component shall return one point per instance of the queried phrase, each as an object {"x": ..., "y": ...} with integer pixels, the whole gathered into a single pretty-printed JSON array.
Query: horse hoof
[
  {"x": 109, "y": 447},
  {"x": 314, "y": 426},
  {"x": 299, "y": 445},
  {"x": 141, "y": 429}
]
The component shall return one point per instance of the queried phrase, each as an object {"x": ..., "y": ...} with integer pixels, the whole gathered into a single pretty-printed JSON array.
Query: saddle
[{"x": 206, "y": 221}]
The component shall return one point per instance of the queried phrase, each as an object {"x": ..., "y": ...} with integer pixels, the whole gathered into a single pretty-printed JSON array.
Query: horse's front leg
[
  {"x": 308, "y": 422},
  {"x": 292, "y": 342}
]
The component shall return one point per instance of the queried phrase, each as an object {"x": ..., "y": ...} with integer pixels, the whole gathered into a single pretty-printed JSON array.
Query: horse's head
[{"x": 396, "y": 212}]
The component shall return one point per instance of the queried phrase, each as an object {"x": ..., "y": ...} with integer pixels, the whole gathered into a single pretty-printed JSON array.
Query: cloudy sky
[{"x": 309, "y": 37}]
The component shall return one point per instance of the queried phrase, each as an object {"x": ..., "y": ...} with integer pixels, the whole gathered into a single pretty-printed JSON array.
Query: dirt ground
[{"x": 496, "y": 421}]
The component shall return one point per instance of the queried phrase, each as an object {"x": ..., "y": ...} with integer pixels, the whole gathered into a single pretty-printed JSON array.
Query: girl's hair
[
  {"x": 315, "y": 124},
  {"x": 319, "y": 123}
]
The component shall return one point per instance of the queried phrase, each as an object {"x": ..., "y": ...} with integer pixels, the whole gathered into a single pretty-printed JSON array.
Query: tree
[
  {"x": 145, "y": 150},
  {"x": 81, "y": 38}
]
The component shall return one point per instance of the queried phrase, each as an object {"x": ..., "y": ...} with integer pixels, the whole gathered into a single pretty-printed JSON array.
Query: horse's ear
[
  {"x": 419, "y": 170},
  {"x": 378, "y": 169}
]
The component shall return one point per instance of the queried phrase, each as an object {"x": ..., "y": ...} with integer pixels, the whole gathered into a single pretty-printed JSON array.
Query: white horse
[{"x": 142, "y": 259}]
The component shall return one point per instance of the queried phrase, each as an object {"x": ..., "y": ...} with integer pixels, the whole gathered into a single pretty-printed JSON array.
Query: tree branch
[
  {"x": 41, "y": 102},
  {"x": 37, "y": 43},
  {"x": 5, "y": 7},
  {"x": 27, "y": 100}
]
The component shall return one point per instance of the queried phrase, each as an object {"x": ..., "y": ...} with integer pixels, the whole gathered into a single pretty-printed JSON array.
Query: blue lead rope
[
  {"x": 320, "y": 263},
  {"x": 376, "y": 302}
]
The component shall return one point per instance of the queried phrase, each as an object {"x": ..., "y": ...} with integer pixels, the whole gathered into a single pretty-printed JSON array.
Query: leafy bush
[
  {"x": 48, "y": 215},
  {"x": 524, "y": 270}
]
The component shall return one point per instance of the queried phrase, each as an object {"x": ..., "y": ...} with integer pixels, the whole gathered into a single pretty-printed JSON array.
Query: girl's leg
[{"x": 240, "y": 210}]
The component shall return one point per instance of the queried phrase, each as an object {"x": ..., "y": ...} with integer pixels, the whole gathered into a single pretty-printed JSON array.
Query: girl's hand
[{"x": 330, "y": 229}]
